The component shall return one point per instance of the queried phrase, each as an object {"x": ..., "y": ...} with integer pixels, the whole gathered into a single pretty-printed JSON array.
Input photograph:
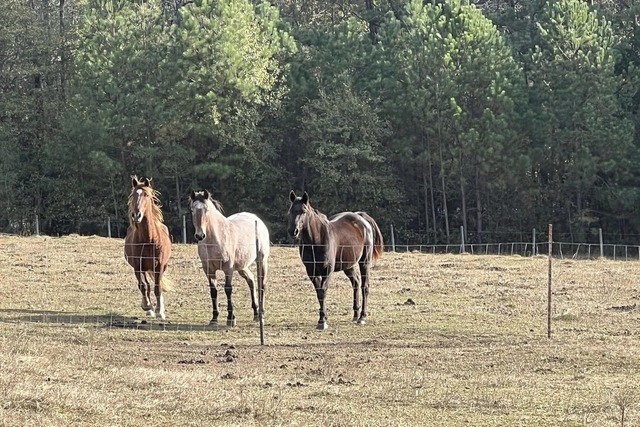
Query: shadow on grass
[{"x": 108, "y": 320}]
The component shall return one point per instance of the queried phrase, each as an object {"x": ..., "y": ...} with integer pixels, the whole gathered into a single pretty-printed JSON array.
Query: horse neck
[
  {"x": 315, "y": 230},
  {"x": 217, "y": 223},
  {"x": 147, "y": 230}
]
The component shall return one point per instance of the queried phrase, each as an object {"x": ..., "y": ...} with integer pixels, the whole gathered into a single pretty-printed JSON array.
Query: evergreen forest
[{"x": 492, "y": 116}]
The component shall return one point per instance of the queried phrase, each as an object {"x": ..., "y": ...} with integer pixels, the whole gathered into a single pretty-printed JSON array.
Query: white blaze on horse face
[
  {"x": 299, "y": 221},
  {"x": 199, "y": 212},
  {"x": 139, "y": 214}
]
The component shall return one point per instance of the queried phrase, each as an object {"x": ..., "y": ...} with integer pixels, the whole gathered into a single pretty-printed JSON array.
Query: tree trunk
[
  {"x": 115, "y": 207},
  {"x": 178, "y": 196},
  {"x": 444, "y": 188},
  {"x": 444, "y": 193},
  {"x": 478, "y": 206},
  {"x": 372, "y": 26},
  {"x": 463, "y": 199},
  {"x": 433, "y": 202},
  {"x": 426, "y": 199},
  {"x": 63, "y": 56}
]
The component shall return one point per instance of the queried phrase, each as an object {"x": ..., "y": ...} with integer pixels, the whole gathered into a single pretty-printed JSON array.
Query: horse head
[
  {"x": 141, "y": 199},
  {"x": 200, "y": 210},
  {"x": 298, "y": 212}
]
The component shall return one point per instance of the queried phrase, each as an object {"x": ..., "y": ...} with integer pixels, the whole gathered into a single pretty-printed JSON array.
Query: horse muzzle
[
  {"x": 199, "y": 236},
  {"x": 137, "y": 217}
]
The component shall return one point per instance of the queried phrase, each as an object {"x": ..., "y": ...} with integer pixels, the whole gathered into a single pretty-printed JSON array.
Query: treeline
[{"x": 499, "y": 117}]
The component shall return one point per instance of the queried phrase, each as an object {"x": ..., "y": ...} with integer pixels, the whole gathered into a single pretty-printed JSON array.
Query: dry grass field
[{"x": 450, "y": 341}]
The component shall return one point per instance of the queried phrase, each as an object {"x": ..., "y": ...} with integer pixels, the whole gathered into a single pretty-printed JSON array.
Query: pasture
[{"x": 449, "y": 341}]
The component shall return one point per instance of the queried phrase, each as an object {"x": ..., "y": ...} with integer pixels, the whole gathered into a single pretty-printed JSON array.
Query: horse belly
[
  {"x": 347, "y": 257},
  {"x": 143, "y": 258},
  {"x": 245, "y": 254}
]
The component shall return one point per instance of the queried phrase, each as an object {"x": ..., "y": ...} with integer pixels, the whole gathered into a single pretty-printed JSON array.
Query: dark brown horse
[
  {"x": 147, "y": 246},
  {"x": 337, "y": 244}
]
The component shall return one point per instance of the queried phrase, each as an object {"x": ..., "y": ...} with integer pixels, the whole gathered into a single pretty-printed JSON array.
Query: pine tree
[{"x": 582, "y": 139}]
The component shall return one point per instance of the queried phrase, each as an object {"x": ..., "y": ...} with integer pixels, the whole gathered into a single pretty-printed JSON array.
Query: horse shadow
[{"x": 106, "y": 320}]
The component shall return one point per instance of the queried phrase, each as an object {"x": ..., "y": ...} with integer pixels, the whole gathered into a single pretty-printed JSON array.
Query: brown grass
[{"x": 472, "y": 350}]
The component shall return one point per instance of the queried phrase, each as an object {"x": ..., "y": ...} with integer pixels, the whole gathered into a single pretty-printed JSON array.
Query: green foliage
[
  {"x": 342, "y": 153},
  {"x": 449, "y": 84},
  {"x": 582, "y": 140},
  {"x": 429, "y": 115}
]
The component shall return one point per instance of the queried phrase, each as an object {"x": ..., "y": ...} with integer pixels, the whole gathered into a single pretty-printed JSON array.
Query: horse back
[{"x": 348, "y": 233}]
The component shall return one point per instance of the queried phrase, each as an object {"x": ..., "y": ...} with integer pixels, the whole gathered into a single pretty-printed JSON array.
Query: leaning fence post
[
  {"x": 462, "y": 239},
  {"x": 601, "y": 243},
  {"x": 37, "y": 225},
  {"x": 260, "y": 287},
  {"x": 534, "y": 252},
  {"x": 393, "y": 240},
  {"x": 109, "y": 226}
]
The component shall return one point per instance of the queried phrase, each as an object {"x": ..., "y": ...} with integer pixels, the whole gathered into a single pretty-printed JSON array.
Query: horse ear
[
  {"x": 305, "y": 198},
  {"x": 134, "y": 181},
  {"x": 192, "y": 196},
  {"x": 292, "y": 196},
  {"x": 206, "y": 194},
  {"x": 147, "y": 182}
]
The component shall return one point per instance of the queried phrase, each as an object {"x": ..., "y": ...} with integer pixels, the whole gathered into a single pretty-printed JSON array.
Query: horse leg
[
  {"x": 143, "y": 285},
  {"x": 157, "y": 289},
  {"x": 228, "y": 275},
  {"x": 351, "y": 274},
  {"x": 248, "y": 276},
  {"x": 214, "y": 298},
  {"x": 364, "y": 280},
  {"x": 321, "y": 284}
]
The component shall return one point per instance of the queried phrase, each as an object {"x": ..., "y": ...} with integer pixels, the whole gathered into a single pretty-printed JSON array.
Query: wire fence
[
  {"x": 562, "y": 250},
  {"x": 116, "y": 228},
  {"x": 89, "y": 288}
]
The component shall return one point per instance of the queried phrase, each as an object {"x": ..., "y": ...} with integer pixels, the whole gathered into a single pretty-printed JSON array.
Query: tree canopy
[{"x": 429, "y": 115}]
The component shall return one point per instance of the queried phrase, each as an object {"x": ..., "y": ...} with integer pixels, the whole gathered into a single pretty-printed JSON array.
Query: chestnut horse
[
  {"x": 228, "y": 244},
  {"x": 337, "y": 244},
  {"x": 147, "y": 246}
]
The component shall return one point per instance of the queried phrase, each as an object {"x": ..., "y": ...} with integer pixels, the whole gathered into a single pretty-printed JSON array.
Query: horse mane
[
  {"x": 156, "y": 212},
  {"x": 199, "y": 197},
  {"x": 322, "y": 216},
  {"x": 321, "y": 232}
]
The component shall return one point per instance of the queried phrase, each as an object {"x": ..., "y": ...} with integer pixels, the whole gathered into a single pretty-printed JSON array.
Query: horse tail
[
  {"x": 165, "y": 283},
  {"x": 378, "y": 243}
]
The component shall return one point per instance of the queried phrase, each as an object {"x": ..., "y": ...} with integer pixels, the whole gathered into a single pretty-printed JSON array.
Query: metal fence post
[
  {"x": 184, "y": 229},
  {"x": 393, "y": 240},
  {"x": 535, "y": 250},
  {"x": 601, "y": 244}
]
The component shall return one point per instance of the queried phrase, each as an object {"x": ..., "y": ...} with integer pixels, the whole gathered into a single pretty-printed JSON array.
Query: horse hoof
[
  {"x": 231, "y": 322},
  {"x": 355, "y": 318},
  {"x": 161, "y": 316},
  {"x": 361, "y": 322},
  {"x": 213, "y": 322},
  {"x": 321, "y": 326},
  {"x": 151, "y": 313},
  {"x": 256, "y": 318}
]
